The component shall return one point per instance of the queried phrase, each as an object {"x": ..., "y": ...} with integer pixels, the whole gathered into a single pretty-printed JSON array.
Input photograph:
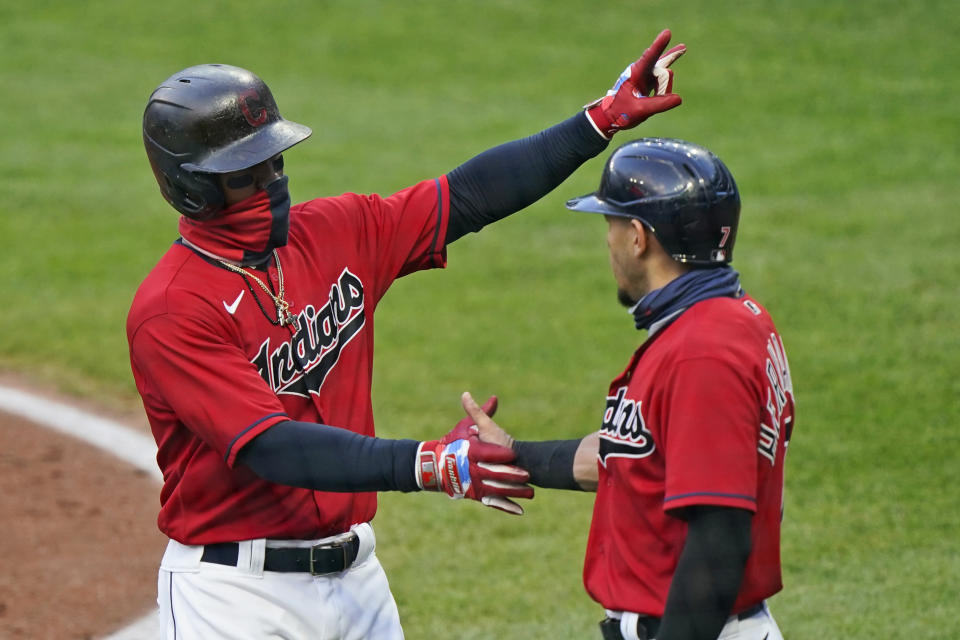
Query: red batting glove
[
  {"x": 462, "y": 466},
  {"x": 629, "y": 102}
]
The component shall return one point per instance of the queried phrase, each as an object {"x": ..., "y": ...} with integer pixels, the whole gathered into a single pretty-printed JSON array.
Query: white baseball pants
[
  {"x": 205, "y": 601},
  {"x": 759, "y": 626}
]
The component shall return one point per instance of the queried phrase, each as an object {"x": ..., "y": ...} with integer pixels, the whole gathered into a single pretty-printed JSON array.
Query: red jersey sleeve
[
  {"x": 711, "y": 435},
  {"x": 411, "y": 229},
  {"x": 183, "y": 366},
  {"x": 405, "y": 232},
  {"x": 382, "y": 237}
]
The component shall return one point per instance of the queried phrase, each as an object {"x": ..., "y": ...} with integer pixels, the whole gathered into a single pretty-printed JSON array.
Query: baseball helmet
[
  {"x": 680, "y": 190},
  {"x": 211, "y": 119}
]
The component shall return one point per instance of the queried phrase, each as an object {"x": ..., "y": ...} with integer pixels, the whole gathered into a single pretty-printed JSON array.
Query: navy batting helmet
[
  {"x": 680, "y": 190},
  {"x": 210, "y": 119}
]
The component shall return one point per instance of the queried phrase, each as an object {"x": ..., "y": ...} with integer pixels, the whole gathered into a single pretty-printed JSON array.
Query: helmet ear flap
[
  {"x": 195, "y": 195},
  {"x": 200, "y": 195}
]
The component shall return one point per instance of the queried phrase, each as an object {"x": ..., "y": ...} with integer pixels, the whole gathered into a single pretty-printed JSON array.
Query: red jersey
[
  {"x": 214, "y": 373},
  {"x": 701, "y": 416}
]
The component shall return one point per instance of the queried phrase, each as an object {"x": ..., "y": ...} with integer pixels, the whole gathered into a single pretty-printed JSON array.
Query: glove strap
[
  {"x": 427, "y": 471},
  {"x": 598, "y": 119},
  {"x": 444, "y": 467}
]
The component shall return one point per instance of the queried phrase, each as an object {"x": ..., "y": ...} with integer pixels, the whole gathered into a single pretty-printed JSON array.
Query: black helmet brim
[
  {"x": 258, "y": 147},
  {"x": 590, "y": 203}
]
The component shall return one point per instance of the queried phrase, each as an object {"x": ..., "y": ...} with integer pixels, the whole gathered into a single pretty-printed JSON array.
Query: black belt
[
  {"x": 647, "y": 626},
  {"x": 318, "y": 560}
]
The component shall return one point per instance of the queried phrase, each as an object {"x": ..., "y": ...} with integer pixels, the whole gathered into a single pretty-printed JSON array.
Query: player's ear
[{"x": 641, "y": 242}]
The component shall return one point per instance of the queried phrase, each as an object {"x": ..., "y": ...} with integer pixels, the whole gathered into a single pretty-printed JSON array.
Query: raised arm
[{"x": 511, "y": 176}]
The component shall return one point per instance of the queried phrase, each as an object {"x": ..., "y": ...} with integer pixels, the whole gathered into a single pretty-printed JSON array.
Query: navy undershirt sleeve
[
  {"x": 325, "y": 458},
  {"x": 707, "y": 579},
  {"x": 550, "y": 462},
  {"x": 513, "y": 175}
]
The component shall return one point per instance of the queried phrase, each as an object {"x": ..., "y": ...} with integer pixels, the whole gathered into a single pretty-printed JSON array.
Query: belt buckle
[{"x": 337, "y": 542}]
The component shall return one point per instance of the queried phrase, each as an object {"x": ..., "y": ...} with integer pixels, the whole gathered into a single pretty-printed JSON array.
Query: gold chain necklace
[{"x": 284, "y": 317}]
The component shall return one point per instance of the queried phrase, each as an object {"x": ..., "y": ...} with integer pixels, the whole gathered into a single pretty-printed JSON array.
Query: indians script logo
[
  {"x": 624, "y": 433},
  {"x": 300, "y": 366}
]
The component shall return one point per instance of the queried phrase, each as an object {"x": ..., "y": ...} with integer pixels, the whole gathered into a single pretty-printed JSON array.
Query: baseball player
[
  {"x": 251, "y": 344},
  {"x": 688, "y": 462}
]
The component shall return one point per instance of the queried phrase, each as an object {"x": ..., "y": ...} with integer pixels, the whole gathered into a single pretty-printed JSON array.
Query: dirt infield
[{"x": 80, "y": 546}]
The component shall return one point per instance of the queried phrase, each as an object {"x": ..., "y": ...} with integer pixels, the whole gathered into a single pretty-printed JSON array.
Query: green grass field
[{"x": 840, "y": 120}]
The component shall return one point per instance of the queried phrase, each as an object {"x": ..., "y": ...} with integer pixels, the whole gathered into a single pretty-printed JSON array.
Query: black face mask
[{"x": 279, "y": 196}]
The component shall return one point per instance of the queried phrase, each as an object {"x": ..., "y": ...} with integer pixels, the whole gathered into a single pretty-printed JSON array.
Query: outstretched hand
[
  {"x": 485, "y": 427},
  {"x": 463, "y": 466},
  {"x": 630, "y": 102}
]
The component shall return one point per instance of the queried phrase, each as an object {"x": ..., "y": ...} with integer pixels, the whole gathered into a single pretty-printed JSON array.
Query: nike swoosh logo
[{"x": 231, "y": 308}]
